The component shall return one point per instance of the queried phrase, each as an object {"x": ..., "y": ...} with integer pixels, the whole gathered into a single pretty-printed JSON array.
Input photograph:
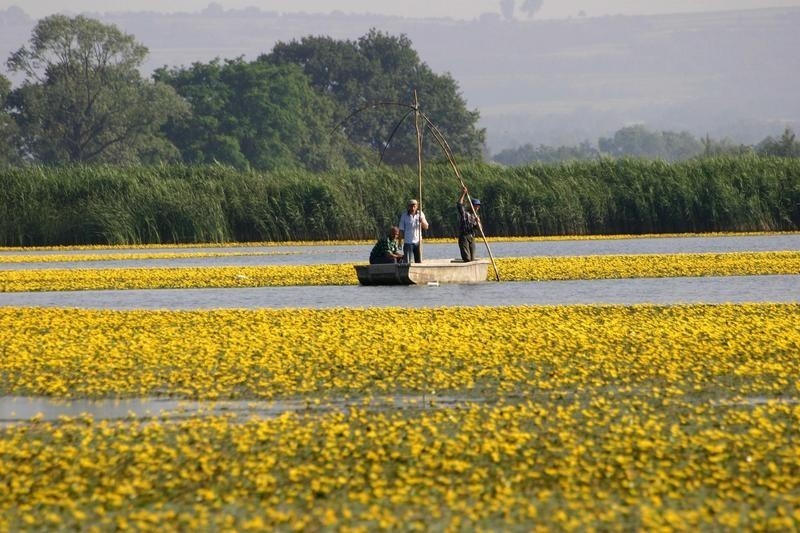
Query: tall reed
[{"x": 187, "y": 204}]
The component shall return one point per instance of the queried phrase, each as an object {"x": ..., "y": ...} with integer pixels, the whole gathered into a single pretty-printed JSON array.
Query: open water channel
[
  {"x": 307, "y": 255},
  {"x": 625, "y": 291},
  {"x": 733, "y": 289}
]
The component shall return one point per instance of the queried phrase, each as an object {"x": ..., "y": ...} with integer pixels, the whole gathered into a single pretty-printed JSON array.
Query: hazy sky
[{"x": 465, "y": 9}]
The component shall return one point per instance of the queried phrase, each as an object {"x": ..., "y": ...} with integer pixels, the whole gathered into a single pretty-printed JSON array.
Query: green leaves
[
  {"x": 250, "y": 114},
  {"x": 382, "y": 68},
  {"x": 8, "y": 128},
  {"x": 785, "y": 146},
  {"x": 83, "y": 99}
]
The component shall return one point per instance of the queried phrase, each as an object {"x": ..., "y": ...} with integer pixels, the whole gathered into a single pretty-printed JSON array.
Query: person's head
[
  {"x": 476, "y": 203},
  {"x": 413, "y": 205},
  {"x": 394, "y": 232}
]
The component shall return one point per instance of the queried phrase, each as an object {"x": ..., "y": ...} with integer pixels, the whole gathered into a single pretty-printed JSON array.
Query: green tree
[
  {"x": 250, "y": 114},
  {"x": 384, "y": 68},
  {"x": 786, "y": 145},
  {"x": 8, "y": 128},
  {"x": 83, "y": 99},
  {"x": 638, "y": 141},
  {"x": 681, "y": 145},
  {"x": 724, "y": 147},
  {"x": 528, "y": 154},
  {"x": 633, "y": 141}
]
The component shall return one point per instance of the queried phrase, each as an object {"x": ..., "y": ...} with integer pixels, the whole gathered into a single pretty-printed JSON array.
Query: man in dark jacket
[
  {"x": 468, "y": 224},
  {"x": 387, "y": 249}
]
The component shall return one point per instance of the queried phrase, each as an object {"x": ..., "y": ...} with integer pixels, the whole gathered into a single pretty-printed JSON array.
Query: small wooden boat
[{"x": 433, "y": 271}]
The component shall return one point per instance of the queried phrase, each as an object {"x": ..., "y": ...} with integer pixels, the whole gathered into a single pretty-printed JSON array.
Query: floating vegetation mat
[
  {"x": 750, "y": 349},
  {"x": 511, "y": 269},
  {"x": 121, "y": 256},
  {"x": 604, "y": 418}
]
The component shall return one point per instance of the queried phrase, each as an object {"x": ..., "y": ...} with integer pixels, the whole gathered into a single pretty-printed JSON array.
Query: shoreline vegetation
[
  {"x": 512, "y": 269},
  {"x": 179, "y": 204}
]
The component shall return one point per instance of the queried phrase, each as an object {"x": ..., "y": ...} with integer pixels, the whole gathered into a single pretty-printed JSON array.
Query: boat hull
[{"x": 435, "y": 271}]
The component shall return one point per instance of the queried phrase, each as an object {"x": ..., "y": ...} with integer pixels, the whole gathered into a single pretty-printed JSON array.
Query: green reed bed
[{"x": 185, "y": 204}]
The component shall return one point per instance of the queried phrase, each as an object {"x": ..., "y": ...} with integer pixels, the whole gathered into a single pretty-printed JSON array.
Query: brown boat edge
[{"x": 434, "y": 271}]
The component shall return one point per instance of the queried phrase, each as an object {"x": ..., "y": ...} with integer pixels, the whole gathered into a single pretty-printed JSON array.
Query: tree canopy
[
  {"x": 8, "y": 129},
  {"x": 786, "y": 145},
  {"x": 546, "y": 154},
  {"x": 638, "y": 141},
  {"x": 316, "y": 103},
  {"x": 382, "y": 68},
  {"x": 250, "y": 114},
  {"x": 83, "y": 99}
]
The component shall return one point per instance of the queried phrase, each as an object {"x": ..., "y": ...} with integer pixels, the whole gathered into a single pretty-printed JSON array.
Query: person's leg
[
  {"x": 471, "y": 240},
  {"x": 408, "y": 252},
  {"x": 417, "y": 258},
  {"x": 463, "y": 247}
]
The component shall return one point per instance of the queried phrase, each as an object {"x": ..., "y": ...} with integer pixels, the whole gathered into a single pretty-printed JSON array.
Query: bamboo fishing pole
[
  {"x": 419, "y": 165},
  {"x": 452, "y": 160}
]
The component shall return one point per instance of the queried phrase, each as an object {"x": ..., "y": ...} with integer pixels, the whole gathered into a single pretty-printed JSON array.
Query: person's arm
[
  {"x": 402, "y": 227},
  {"x": 394, "y": 250},
  {"x": 460, "y": 208},
  {"x": 460, "y": 203},
  {"x": 423, "y": 222}
]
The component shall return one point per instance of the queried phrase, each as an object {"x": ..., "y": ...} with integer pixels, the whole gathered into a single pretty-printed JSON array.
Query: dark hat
[{"x": 475, "y": 201}]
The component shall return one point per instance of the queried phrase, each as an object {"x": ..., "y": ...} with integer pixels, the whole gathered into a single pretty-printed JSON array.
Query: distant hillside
[{"x": 727, "y": 74}]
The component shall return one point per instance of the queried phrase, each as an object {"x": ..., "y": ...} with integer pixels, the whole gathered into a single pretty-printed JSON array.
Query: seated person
[{"x": 387, "y": 249}]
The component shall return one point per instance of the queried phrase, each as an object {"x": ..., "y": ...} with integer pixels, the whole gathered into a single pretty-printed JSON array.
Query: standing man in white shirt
[{"x": 412, "y": 222}]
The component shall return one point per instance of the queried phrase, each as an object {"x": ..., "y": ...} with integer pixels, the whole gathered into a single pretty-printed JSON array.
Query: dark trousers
[
  {"x": 411, "y": 250},
  {"x": 466, "y": 245},
  {"x": 382, "y": 260}
]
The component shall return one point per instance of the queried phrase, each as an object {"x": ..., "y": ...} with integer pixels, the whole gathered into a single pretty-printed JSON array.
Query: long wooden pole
[
  {"x": 452, "y": 160},
  {"x": 419, "y": 165}
]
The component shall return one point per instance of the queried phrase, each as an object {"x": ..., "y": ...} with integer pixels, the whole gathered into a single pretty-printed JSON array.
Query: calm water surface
[
  {"x": 627, "y": 291},
  {"x": 299, "y": 255},
  {"x": 729, "y": 289},
  {"x": 23, "y": 408}
]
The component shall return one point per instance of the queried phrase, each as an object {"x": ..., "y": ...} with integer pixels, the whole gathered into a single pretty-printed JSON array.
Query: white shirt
[{"x": 411, "y": 227}]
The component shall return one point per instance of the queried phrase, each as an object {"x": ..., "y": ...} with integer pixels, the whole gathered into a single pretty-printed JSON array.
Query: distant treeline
[
  {"x": 638, "y": 141},
  {"x": 186, "y": 204}
]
